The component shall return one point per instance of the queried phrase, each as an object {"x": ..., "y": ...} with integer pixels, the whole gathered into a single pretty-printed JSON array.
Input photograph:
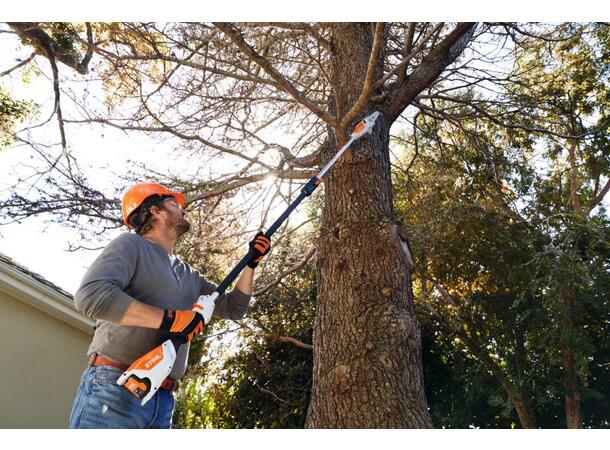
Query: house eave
[{"x": 44, "y": 298}]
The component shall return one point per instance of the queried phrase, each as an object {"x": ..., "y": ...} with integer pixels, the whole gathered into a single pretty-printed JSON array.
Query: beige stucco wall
[{"x": 41, "y": 361}]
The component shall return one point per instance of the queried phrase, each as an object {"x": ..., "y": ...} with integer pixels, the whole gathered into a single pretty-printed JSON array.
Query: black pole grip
[
  {"x": 306, "y": 191},
  {"x": 235, "y": 272}
]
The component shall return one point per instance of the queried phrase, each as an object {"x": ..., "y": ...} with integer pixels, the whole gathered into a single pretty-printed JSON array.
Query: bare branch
[
  {"x": 297, "y": 26},
  {"x": 295, "y": 268},
  {"x": 271, "y": 393},
  {"x": 234, "y": 184},
  {"x": 89, "y": 54},
  {"x": 291, "y": 340},
  {"x": 276, "y": 337},
  {"x": 408, "y": 46},
  {"x": 313, "y": 159},
  {"x": 401, "y": 67},
  {"x": 447, "y": 297},
  {"x": 430, "y": 68},
  {"x": 21, "y": 64},
  {"x": 173, "y": 131},
  {"x": 367, "y": 88},
  {"x": 283, "y": 83}
]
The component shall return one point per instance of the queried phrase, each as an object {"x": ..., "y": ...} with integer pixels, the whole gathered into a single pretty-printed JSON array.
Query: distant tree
[{"x": 510, "y": 235}]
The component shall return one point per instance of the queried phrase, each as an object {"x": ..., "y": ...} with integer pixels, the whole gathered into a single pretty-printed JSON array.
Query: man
[{"x": 141, "y": 294}]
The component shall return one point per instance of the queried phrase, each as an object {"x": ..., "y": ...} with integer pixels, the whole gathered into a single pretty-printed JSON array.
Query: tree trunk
[
  {"x": 520, "y": 400},
  {"x": 571, "y": 391},
  {"x": 571, "y": 385},
  {"x": 526, "y": 415},
  {"x": 367, "y": 350},
  {"x": 518, "y": 396},
  {"x": 524, "y": 408}
]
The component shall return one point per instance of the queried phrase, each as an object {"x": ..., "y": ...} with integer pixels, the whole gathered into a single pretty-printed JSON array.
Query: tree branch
[
  {"x": 288, "y": 271},
  {"x": 313, "y": 159},
  {"x": 430, "y": 68},
  {"x": 271, "y": 393},
  {"x": 229, "y": 186},
  {"x": 282, "y": 82},
  {"x": 290, "y": 340},
  {"x": 406, "y": 51},
  {"x": 401, "y": 67},
  {"x": 167, "y": 129},
  {"x": 572, "y": 146},
  {"x": 277, "y": 337},
  {"x": 42, "y": 41},
  {"x": 21, "y": 64},
  {"x": 367, "y": 88},
  {"x": 297, "y": 26},
  {"x": 497, "y": 121},
  {"x": 597, "y": 200}
]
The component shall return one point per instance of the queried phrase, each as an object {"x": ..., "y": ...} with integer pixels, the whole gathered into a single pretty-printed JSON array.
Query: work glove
[
  {"x": 184, "y": 325},
  {"x": 261, "y": 245}
]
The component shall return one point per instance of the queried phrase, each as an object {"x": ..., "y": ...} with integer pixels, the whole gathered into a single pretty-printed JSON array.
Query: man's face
[{"x": 175, "y": 216}]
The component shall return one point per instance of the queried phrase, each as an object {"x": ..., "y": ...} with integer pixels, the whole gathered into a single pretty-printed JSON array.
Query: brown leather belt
[{"x": 169, "y": 384}]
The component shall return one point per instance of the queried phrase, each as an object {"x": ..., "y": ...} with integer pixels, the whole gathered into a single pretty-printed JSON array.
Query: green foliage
[
  {"x": 11, "y": 113},
  {"x": 504, "y": 275},
  {"x": 265, "y": 383},
  {"x": 460, "y": 393},
  {"x": 265, "y": 386},
  {"x": 63, "y": 35},
  {"x": 492, "y": 219}
]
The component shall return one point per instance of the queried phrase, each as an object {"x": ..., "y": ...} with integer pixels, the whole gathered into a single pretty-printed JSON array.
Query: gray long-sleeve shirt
[{"x": 130, "y": 268}]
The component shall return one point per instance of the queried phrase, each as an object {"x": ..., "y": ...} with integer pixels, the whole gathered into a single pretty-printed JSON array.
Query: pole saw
[{"x": 144, "y": 377}]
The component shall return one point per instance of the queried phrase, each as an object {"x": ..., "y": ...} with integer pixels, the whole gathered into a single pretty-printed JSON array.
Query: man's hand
[
  {"x": 261, "y": 245},
  {"x": 184, "y": 325}
]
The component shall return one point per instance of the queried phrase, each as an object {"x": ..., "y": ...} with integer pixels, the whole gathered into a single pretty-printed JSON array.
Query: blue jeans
[{"x": 101, "y": 403}]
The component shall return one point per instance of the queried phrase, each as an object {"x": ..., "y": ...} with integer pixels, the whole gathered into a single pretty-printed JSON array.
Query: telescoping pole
[
  {"x": 144, "y": 377},
  {"x": 361, "y": 129}
]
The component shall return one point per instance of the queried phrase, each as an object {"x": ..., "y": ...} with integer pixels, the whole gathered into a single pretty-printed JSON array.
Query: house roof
[
  {"x": 10, "y": 262},
  {"x": 37, "y": 291}
]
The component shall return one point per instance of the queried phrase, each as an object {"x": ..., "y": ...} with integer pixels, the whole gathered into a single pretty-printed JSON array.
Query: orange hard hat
[{"x": 136, "y": 194}]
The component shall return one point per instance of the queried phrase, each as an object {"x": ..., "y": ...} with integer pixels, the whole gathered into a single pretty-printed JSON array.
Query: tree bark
[
  {"x": 367, "y": 350},
  {"x": 525, "y": 410},
  {"x": 519, "y": 397},
  {"x": 571, "y": 386}
]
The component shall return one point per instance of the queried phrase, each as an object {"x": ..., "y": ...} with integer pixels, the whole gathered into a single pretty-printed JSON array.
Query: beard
[{"x": 182, "y": 227}]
